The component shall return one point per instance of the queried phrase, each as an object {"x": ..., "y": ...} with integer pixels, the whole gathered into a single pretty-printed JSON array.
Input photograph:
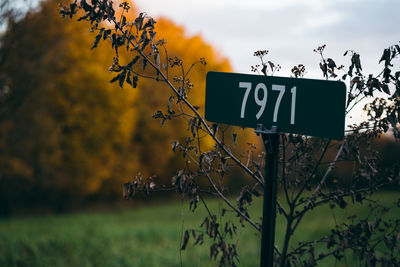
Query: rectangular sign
[{"x": 293, "y": 105}]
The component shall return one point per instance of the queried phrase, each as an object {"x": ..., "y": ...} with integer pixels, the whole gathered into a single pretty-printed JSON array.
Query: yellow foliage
[{"x": 67, "y": 127}]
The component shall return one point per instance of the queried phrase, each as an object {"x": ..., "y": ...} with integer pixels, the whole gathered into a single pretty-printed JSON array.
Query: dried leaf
[
  {"x": 122, "y": 78},
  {"x": 144, "y": 64},
  {"x": 385, "y": 56},
  {"x": 386, "y": 74},
  {"x": 185, "y": 240},
  {"x": 331, "y": 63},
  {"x": 214, "y": 129},
  {"x": 116, "y": 78},
  {"x": 133, "y": 61},
  {"x": 134, "y": 81},
  {"x": 398, "y": 48},
  {"x": 385, "y": 88},
  {"x": 356, "y": 62},
  {"x": 139, "y": 22},
  {"x": 106, "y": 34},
  {"x": 264, "y": 69},
  {"x": 200, "y": 239},
  {"x": 324, "y": 69},
  {"x": 97, "y": 39}
]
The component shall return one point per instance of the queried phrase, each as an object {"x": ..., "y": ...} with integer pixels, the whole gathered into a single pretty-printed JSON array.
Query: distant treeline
[{"x": 69, "y": 137}]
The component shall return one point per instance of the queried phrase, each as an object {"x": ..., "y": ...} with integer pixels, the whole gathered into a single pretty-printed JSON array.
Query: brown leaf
[
  {"x": 385, "y": 88},
  {"x": 324, "y": 69},
  {"x": 185, "y": 240},
  {"x": 331, "y": 63}
]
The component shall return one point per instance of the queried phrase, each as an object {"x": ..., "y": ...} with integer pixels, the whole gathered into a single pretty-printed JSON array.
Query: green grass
[{"x": 148, "y": 236}]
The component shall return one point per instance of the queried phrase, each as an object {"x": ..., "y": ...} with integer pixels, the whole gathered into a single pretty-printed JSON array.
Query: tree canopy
[{"x": 65, "y": 132}]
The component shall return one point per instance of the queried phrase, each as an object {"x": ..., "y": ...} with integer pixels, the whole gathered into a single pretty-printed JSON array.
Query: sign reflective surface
[{"x": 294, "y": 105}]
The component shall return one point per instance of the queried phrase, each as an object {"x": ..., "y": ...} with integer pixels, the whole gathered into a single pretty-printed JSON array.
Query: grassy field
[{"x": 147, "y": 236}]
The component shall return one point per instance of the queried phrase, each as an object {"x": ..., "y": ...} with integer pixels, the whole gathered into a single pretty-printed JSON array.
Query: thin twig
[
  {"x": 310, "y": 177},
  {"x": 230, "y": 204},
  {"x": 194, "y": 110},
  {"x": 330, "y": 168}
]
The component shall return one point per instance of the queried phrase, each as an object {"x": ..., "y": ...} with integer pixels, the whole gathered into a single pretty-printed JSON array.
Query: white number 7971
[{"x": 263, "y": 101}]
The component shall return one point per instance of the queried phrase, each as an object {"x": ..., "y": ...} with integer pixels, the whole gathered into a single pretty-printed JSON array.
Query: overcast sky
[{"x": 289, "y": 29}]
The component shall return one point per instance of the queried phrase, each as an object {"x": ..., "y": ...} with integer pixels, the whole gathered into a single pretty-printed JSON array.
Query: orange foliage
[{"x": 69, "y": 133}]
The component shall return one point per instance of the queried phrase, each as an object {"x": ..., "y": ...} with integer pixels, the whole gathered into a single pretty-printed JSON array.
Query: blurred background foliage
[{"x": 69, "y": 138}]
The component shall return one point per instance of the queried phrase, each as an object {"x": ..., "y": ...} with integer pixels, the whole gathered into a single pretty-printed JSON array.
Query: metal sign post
[
  {"x": 271, "y": 143},
  {"x": 294, "y": 105}
]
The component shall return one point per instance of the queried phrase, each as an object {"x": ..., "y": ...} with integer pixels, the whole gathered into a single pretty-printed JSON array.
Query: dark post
[{"x": 271, "y": 143}]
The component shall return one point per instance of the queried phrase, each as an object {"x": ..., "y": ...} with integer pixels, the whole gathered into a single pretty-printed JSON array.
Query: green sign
[{"x": 293, "y": 105}]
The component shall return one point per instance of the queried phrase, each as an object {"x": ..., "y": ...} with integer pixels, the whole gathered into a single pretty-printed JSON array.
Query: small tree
[{"x": 306, "y": 164}]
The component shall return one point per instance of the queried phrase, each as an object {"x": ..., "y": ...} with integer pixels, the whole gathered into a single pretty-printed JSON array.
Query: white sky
[{"x": 289, "y": 29}]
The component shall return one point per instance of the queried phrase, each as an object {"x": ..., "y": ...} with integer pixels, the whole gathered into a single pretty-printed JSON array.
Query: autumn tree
[{"x": 66, "y": 134}]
